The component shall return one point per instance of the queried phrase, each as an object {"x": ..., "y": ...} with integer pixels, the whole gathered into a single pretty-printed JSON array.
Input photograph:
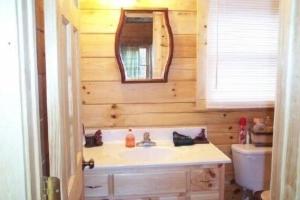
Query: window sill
[{"x": 202, "y": 105}]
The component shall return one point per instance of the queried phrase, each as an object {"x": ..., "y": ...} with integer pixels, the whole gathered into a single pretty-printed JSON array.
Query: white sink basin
[{"x": 148, "y": 154}]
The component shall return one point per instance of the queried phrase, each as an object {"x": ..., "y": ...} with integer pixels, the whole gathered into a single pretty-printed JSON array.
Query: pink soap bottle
[{"x": 130, "y": 139}]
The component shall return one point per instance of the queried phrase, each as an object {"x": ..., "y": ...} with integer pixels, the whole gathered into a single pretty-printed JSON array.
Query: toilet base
[{"x": 250, "y": 195}]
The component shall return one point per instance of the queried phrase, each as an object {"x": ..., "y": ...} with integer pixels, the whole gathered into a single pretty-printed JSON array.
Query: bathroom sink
[{"x": 148, "y": 154}]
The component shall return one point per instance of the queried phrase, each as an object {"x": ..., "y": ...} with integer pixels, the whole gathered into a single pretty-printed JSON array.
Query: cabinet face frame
[
  {"x": 210, "y": 192},
  {"x": 122, "y": 22}
]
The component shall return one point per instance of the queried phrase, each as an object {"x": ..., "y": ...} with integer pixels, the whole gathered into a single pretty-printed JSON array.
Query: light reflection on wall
[{"x": 118, "y": 3}]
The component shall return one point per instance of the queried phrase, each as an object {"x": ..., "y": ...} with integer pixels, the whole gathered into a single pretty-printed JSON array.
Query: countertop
[{"x": 115, "y": 155}]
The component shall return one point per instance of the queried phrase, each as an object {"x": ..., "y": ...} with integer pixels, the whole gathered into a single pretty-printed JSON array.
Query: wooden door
[
  {"x": 62, "y": 74},
  {"x": 285, "y": 180}
]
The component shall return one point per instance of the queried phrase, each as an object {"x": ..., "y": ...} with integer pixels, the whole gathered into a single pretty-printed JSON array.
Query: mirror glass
[{"x": 144, "y": 46}]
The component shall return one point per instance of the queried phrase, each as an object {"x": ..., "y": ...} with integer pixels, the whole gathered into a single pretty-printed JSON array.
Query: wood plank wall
[{"x": 106, "y": 103}]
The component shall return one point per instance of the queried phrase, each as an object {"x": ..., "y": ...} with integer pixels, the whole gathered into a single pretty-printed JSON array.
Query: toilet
[{"x": 252, "y": 166}]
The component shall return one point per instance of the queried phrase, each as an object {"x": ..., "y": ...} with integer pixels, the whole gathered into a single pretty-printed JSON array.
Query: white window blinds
[{"x": 242, "y": 53}]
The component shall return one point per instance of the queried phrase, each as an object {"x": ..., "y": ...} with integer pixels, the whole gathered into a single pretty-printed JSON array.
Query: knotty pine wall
[{"x": 107, "y": 103}]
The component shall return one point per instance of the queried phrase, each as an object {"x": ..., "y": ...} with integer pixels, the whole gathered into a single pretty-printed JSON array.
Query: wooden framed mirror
[{"x": 144, "y": 45}]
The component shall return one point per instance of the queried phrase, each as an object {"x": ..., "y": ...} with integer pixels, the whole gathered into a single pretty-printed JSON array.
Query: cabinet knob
[{"x": 90, "y": 164}]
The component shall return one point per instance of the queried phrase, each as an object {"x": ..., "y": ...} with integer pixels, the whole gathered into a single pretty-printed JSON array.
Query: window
[
  {"x": 137, "y": 61},
  {"x": 242, "y": 52}
]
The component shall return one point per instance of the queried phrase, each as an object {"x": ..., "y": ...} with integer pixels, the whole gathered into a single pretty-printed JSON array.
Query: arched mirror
[{"x": 144, "y": 45}]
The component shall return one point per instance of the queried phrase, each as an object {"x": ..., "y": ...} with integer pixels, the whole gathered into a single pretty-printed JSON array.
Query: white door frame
[{"x": 19, "y": 125}]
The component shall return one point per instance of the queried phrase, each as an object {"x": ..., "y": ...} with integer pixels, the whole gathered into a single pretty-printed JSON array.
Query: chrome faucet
[{"x": 146, "y": 141}]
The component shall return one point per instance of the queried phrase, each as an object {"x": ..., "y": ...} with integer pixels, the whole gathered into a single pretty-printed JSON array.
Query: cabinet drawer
[
  {"x": 154, "y": 198},
  {"x": 95, "y": 198},
  {"x": 204, "y": 179},
  {"x": 205, "y": 196},
  {"x": 96, "y": 185},
  {"x": 149, "y": 183}
]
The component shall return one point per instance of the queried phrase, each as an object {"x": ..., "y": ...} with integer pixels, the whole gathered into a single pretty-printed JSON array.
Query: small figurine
[
  {"x": 98, "y": 138},
  {"x": 201, "y": 138}
]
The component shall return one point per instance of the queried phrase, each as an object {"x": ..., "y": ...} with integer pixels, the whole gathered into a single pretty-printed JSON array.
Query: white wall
[{"x": 12, "y": 157}]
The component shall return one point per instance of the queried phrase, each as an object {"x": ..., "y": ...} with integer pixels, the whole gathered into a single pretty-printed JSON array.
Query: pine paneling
[
  {"x": 99, "y": 69},
  {"x": 106, "y": 21},
  {"x": 97, "y": 45},
  {"x": 109, "y": 4},
  {"x": 108, "y": 103},
  {"x": 99, "y": 21},
  {"x": 102, "y": 45},
  {"x": 185, "y": 46},
  {"x": 162, "y": 114},
  {"x": 183, "y": 22},
  {"x": 116, "y": 92},
  {"x": 107, "y": 69}
]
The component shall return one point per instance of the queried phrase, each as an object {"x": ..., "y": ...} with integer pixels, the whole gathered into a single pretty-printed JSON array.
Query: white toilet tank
[{"x": 252, "y": 166}]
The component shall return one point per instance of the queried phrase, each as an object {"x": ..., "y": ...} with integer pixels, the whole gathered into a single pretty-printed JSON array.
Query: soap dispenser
[{"x": 130, "y": 139}]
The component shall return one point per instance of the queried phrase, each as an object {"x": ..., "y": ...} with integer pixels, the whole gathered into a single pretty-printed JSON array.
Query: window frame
[{"x": 202, "y": 100}]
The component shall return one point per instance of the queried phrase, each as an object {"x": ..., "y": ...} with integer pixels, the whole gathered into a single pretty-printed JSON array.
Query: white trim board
[{"x": 19, "y": 128}]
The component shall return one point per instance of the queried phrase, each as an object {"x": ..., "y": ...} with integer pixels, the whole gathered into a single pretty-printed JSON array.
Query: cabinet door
[
  {"x": 96, "y": 186},
  {"x": 205, "y": 196},
  {"x": 155, "y": 198},
  {"x": 95, "y": 198},
  {"x": 205, "y": 179},
  {"x": 172, "y": 198},
  {"x": 152, "y": 183}
]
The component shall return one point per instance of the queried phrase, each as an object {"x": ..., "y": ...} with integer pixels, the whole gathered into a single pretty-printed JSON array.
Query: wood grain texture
[
  {"x": 99, "y": 21},
  {"x": 106, "y": 21},
  {"x": 185, "y": 46},
  {"x": 99, "y": 69},
  {"x": 285, "y": 181},
  {"x": 102, "y": 45},
  {"x": 115, "y": 92},
  {"x": 176, "y": 197},
  {"x": 62, "y": 61},
  {"x": 148, "y": 114},
  {"x": 202, "y": 23},
  {"x": 170, "y": 4},
  {"x": 107, "y": 69},
  {"x": 205, "y": 179},
  {"x": 97, "y": 45},
  {"x": 39, "y": 10},
  {"x": 40, "y": 37},
  {"x": 150, "y": 183},
  {"x": 205, "y": 196},
  {"x": 108, "y": 103},
  {"x": 183, "y": 22}
]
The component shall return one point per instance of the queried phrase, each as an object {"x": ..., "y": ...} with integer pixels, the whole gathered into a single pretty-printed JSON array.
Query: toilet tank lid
[{"x": 250, "y": 149}]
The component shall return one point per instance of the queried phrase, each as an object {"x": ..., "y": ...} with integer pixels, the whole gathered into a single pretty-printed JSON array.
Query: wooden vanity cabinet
[
  {"x": 205, "y": 182},
  {"x": 96, "y": 185},
  {"x": 144, "y": 183}
]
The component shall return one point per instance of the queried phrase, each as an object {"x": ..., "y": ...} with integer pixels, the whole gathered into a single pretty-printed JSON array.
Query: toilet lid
[{"x": 250, "y": 149}]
